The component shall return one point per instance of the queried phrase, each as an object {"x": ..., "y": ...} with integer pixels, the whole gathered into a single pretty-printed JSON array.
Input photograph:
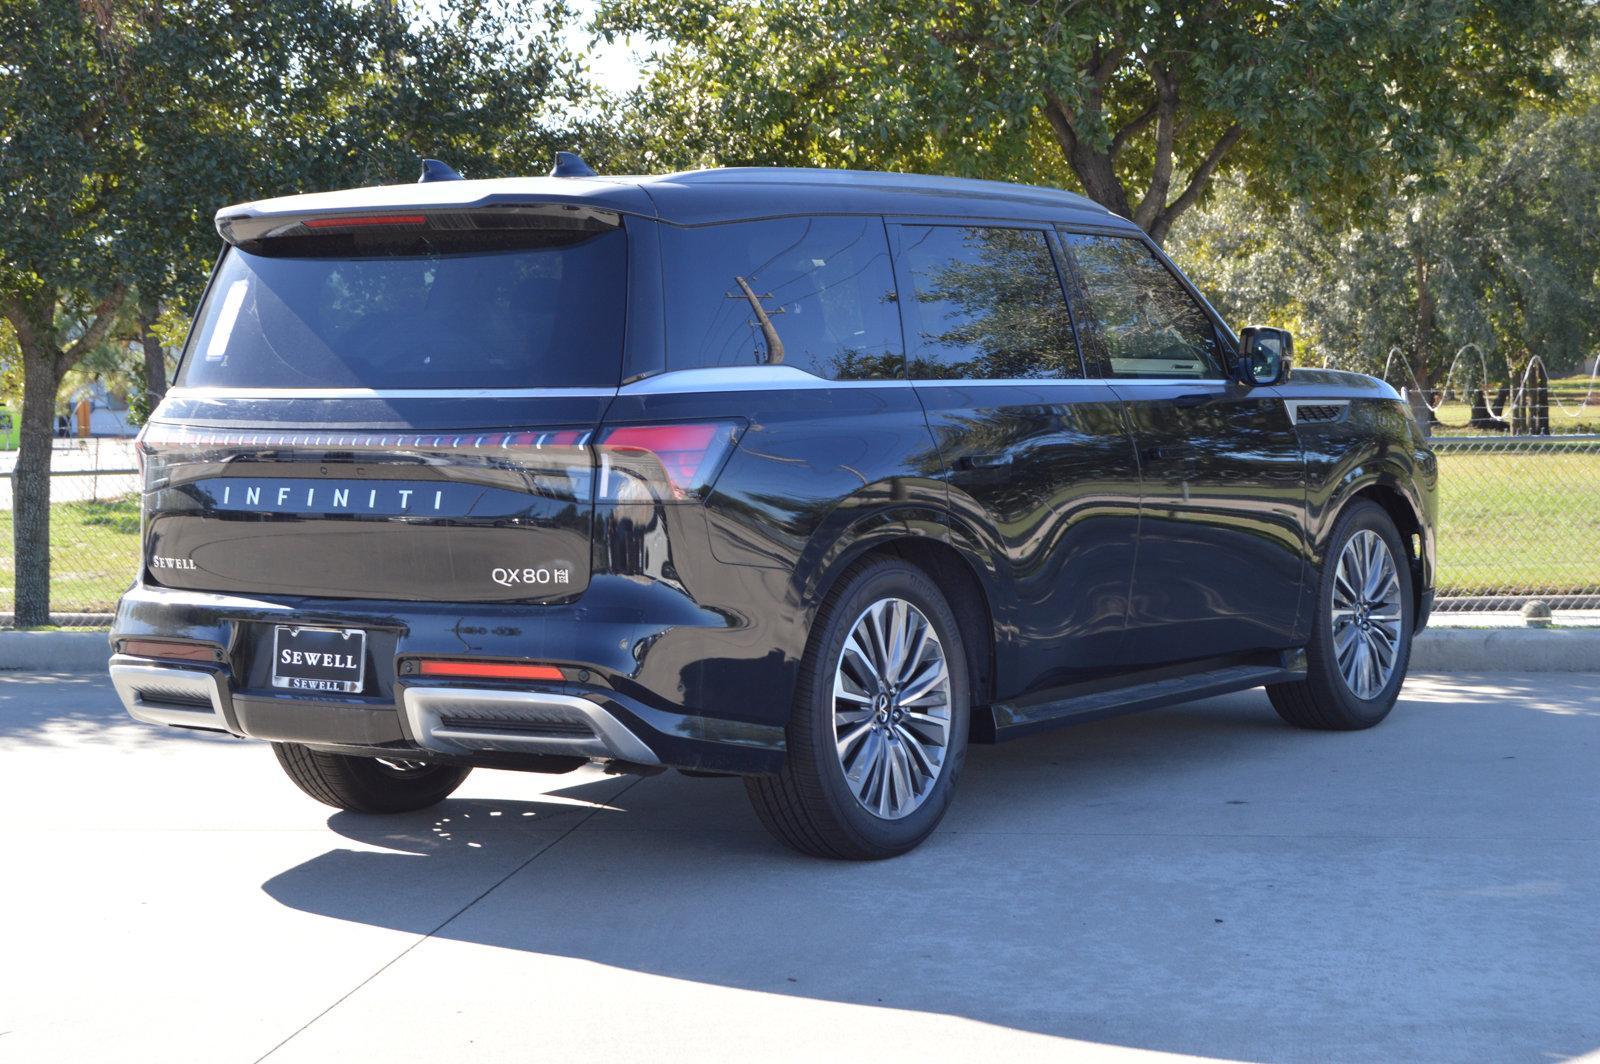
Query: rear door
[
  {"x": 1035, "y": 454},
  {"x": 1222, "y": 506},
  {"x": 392, "y": 407}
]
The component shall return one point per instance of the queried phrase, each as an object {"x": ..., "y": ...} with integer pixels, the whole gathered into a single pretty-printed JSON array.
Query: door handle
[
  {"x": 1193, "y": 399},
  {"x": 984, "y": 461}
]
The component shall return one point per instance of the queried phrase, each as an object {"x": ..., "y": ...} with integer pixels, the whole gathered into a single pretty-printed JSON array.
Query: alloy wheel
[
  {"x": 891, "y": 708},
  {"x": 1367, "y": 615}
]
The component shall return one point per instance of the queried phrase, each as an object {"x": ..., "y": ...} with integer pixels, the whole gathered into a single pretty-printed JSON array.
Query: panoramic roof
[{"x": 703, "y": 196}]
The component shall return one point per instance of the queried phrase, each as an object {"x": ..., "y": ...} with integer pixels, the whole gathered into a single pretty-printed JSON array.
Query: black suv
[{"x": 810, "y": 477}]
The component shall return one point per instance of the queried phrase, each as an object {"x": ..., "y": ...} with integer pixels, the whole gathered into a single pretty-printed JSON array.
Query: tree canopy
[
  {"x": 1143, "y": 105},
  {"x": 125, "y": 124},
  {"x": 1501, "y": 255}
]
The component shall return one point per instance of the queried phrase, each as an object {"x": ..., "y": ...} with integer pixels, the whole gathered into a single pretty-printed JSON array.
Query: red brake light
[
  {"x": 347, "y": 220},
  {"x": 489, "y": 670},
  {"x": 686, "y": 455}
]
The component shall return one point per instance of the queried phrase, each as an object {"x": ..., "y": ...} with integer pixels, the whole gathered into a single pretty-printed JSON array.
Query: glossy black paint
[
  {"x": 1104, "y": 535},
  {"x": 1045, "y": 475},
  {"x": 1221, "y": 521}
]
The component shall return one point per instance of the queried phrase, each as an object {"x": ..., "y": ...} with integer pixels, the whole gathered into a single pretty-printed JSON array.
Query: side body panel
[
  {"x": 821, "y": 471},
  {"x": 1046, "y": 470},
  {"x": 1358, "y": 435},
  {"x": 1221, "y": 535}
]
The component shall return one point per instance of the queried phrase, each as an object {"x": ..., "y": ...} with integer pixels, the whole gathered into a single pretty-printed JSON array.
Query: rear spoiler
[{"x": 397, "y": 230}]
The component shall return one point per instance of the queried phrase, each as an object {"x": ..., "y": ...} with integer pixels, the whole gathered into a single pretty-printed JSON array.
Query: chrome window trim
[
  {"x": 387, "y": 393},
  {"x": 679, "y": 381},
  {"x": 788, "y": 378},
  {"x": 741, "y": 379}
]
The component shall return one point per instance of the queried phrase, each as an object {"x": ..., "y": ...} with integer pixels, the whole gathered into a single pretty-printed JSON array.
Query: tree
[
  {"x": 126, "y": 123},
  {"x": 1501, "y": 256},
  {"x": 1144, "y": 104}
]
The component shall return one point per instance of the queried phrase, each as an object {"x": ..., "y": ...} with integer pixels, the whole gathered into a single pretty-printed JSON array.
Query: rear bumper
[
  {"x": 460, "y": 721},
  {"x": 539, "y": 726},
  {"x": 501, "y": 727}
]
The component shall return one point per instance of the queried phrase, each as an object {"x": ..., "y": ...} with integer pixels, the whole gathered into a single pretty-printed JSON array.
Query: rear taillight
[
  {"x": 675, "y": 462},
  {"x": 138, "y": 450}
]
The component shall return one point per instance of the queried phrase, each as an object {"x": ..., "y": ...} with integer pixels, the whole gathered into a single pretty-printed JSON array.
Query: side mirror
[{"x": 1265, "y": 354}]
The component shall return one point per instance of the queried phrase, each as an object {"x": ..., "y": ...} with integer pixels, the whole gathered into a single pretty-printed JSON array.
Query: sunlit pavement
[{"x": 1202, "y": 880}]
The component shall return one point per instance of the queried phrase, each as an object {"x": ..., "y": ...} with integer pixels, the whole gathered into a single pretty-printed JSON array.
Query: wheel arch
[
  {"x": 1386, "y": 489},
  {"x": 952, "y": 556}
]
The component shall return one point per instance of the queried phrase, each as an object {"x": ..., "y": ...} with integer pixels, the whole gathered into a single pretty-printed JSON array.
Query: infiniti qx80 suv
[{"x": 810, "y": 477}]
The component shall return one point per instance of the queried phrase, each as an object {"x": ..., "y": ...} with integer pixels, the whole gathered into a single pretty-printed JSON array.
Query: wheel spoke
[
  {"x": 850, "y": 740},
  {"x": 921, "y": 761},
  {"x": 926, "y": 687},
  {"x": 926, "y": 726}
]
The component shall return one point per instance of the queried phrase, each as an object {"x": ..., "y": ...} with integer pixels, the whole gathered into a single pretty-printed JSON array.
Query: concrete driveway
[{"x": 1199, "y": 881}]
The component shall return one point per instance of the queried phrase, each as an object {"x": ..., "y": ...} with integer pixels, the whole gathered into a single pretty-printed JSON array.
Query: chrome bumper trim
[
  {"x": 467, "y": 720},
  {"x": 168, "y": 694}
]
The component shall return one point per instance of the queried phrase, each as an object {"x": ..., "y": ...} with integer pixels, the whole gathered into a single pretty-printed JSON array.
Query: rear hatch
[{"x": 392, "y": 406}]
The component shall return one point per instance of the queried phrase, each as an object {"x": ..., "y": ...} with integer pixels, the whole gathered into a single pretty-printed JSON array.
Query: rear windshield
[{"x": 547, "y": 316}]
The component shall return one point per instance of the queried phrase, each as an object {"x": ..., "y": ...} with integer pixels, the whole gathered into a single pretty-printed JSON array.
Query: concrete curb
[
  {"x": 1507, "y": 650},
  {"x": 1436, "y": 650},
  {"x": 54, "y": 651}
]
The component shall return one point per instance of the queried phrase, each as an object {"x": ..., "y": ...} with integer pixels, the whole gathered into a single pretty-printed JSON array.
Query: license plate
[{"x": 319, "y": 659}]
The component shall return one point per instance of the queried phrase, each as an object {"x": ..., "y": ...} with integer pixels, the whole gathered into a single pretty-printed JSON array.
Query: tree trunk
[
  {"x": 1424, "y": 325},
  {"x": 155, "y": 356},
  {"x": 30, "y": 486}
]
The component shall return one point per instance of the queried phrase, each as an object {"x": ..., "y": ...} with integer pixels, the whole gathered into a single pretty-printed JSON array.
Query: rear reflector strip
[
  {"x": 154, "y": 648},
  {"x": 489, "y": 670}
]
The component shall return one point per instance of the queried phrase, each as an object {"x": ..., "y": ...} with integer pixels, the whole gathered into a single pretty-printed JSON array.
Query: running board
[{"x": 1009, "y": 720}]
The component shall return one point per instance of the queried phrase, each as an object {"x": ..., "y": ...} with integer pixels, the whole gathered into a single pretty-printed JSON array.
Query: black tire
[
  {"x": 365, "y": 784},
  {"x": 1324, "y": 700},
  {"x": 809, "y": 805}
]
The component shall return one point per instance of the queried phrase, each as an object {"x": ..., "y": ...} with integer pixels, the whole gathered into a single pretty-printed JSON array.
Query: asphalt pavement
[{"x": 1198, "y": 881}]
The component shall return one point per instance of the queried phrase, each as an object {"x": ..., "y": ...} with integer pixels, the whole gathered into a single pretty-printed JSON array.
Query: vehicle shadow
[
  {"x": 1199, "y": 880},
  {"x": 68, "y": 709}
]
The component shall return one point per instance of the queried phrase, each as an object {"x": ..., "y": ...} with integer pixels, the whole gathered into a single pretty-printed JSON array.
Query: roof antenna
[
  {"x": 434, "y": 170},
  {"x": 569, "y": 165}
]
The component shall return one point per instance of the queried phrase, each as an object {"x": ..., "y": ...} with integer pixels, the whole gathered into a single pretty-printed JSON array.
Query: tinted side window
[
  {"x": 813, "y": 293},
  {"x": 984, "y": 303},
  {"x": 1135, "y": 319}
]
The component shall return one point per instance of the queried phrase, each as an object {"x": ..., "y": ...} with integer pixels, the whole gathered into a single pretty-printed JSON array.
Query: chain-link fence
[
  {"x": 94, "y": 529},
  {"x": 1519, "y": 518}
]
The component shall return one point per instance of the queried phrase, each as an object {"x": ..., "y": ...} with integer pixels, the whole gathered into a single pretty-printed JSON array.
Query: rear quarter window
[
  {"x": 815, "y": 293},
  {"x": 546, "y": 316}
]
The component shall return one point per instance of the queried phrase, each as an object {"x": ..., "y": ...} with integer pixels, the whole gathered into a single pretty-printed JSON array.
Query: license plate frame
[{"x": 334, "y": 677}]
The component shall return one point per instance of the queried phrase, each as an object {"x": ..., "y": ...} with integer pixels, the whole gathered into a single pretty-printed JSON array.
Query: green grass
[
  {"x": 94, "y": 554},
  {"x": 1519, "y": 523}
]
